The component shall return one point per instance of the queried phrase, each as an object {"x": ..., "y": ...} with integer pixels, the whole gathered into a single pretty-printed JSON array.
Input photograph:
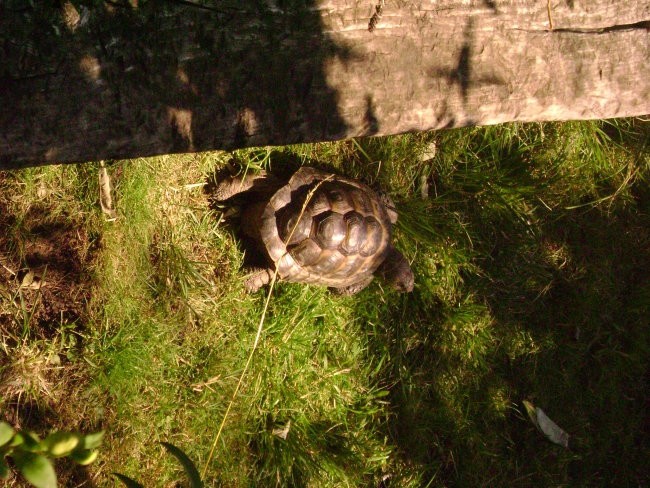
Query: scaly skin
[{"x": 257, "y": 279}]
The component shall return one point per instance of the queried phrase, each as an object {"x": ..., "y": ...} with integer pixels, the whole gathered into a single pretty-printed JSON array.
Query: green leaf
[
  {"x": 6, "y": 433},
  {"x": 84, "y": 456},
  {"x": 61, "y": 443},
  {"x": 36, "y": 469},
  {"x": 128, "y": 482},
  {"x": 188, "y": 465},
  {"x": 93, "y": 441},
  {"x": 17, "y": 440},
  {"x": 30, "y": 441}
]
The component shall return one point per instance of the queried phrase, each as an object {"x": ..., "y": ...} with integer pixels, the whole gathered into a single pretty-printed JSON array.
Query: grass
[{"x": 531, "y": 250}]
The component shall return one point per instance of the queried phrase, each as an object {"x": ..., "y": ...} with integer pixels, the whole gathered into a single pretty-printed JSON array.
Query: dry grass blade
[
  {"x": 8, "y": 270},
  {"x": 258, "y": 334},
  {"x": 106, "y": 193}
]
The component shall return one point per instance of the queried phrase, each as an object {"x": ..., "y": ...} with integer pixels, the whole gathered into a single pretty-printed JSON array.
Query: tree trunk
[{"x": 97, "y": 80}]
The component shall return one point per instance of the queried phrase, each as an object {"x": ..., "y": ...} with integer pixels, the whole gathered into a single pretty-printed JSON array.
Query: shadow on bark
[{"x": 162, "y": 77}]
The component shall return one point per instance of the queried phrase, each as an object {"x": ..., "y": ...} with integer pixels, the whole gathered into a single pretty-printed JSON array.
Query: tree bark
[{"x": 100, "y": 80}]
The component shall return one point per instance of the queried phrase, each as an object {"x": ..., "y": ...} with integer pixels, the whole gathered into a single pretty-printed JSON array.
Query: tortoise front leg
[
  {"x": 353, "y": 289},
  {"x": 233, "y": 185}
]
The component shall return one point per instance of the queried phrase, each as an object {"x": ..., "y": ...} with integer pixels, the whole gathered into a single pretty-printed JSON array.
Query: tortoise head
[{"x": 396, "y": 271}]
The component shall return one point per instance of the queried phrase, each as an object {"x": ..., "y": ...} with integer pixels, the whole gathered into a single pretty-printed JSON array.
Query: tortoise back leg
[
  {"x": 353, "y": 289},
  {"x": 234, "y": 185},
  {"x": 257, "y": 279}
]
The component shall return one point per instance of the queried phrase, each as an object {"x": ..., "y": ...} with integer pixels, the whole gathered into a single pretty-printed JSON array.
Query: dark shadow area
[
  {"x": 577, "y": 286},
  {"x": 270, "y": 451},
  {"x": 162, "y": 77},
  {"x": 464, "y": 73},
  {"x": 461, "y": 75},
  {"x": 491, "y": 4},
  {"x": 370, "y": 119}
]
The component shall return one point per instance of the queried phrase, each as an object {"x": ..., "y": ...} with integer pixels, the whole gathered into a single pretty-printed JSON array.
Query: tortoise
[{"x": 318, "y": 228}]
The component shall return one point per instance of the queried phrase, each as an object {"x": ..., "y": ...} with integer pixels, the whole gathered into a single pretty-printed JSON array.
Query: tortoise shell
[{"x": 325, "y": 229}]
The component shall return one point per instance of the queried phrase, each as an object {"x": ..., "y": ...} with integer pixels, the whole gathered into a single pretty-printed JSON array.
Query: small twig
[
  {"x": 191, "y": 186},
  {"x": 11, "y": 272},
  {"x": 548, "y": 11}
]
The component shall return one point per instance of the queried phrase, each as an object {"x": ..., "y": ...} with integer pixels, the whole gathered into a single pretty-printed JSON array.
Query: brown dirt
[{"x": 47, "y": 260}]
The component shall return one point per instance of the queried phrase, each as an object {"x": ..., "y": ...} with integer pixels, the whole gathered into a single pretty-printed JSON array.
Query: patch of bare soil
[{"x": 44, "y": 273}]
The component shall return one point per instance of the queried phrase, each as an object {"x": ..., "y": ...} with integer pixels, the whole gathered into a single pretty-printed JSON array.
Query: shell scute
[
  {"x": 355, "y": 233},
  {"x": 330, "y": 230},
  {"x": 329, "y": 261},
  {"x": 294, "y": 227},
  {"x": 318, "y": 203},
  {"x": 307, "y": 253},
  {"x": 339, "y": 198},
  {"x": 374, "y": 237},
  {"x": 362, "y": 203}
]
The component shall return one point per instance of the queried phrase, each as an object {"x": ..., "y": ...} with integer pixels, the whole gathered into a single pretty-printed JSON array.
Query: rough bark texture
[{"x": 97, "y": 80}]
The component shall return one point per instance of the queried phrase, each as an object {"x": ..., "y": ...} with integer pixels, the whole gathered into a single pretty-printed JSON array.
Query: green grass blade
[
  {"x": 187, "y": 463},
  {"x": 128, "y": 482}
]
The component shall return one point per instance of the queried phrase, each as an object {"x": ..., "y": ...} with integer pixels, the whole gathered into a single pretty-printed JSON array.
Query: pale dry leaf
[
  {"x": 549, "y": 428},
  {"x": 106, "y": 194},
  {"x": 54, "y": 358},
  {"x": 42, "y": 192},
  {"x": 32, "y": 281},
  {"x": 429, "y": 152},
  {"x": 27, "y": 280},
  {"x": 283, "y": 432},
  {"x": 71, "y": 17}
]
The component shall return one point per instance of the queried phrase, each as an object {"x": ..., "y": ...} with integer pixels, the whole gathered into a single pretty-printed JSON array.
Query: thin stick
[
  {"x": 548, "y": 11},
  {"x": 258, "y": 333},
  {"x": 11, "y": 272},
  {"x": 241, "y": 377}
]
